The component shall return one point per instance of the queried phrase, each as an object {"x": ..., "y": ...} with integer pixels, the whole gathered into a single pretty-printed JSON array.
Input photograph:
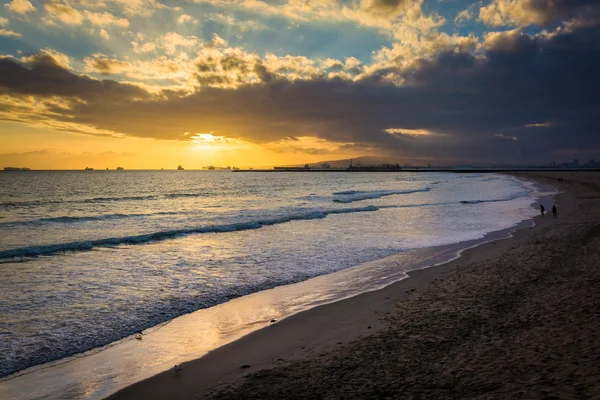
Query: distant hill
[
  {"x": 368, "y": 161},
  {"x": 364, "y": 160},
  {"x": 374, "y": 160}
]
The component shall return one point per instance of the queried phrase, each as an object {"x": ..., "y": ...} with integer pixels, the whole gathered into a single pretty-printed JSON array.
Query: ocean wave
[
  {"x": 35, "y": 203},
  {"x": 418, "y": 205},
  {"x": 348, "y": 192},
  {"x": 70, "y": 219},
  {"x": 351, "y": 196},
  {"x": 513, "y": 197},
  {"x": 108, "y": 199},
  {"x": 492, "y": 178},
  {"x": 85, "y": 245}
]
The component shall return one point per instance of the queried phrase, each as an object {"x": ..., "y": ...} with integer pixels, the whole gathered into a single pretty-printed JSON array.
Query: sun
[{"x": 206, "y": 140}]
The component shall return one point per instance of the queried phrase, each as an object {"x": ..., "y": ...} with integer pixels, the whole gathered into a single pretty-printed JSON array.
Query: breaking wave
[
  {"x": 33, "y": 251},
  {"x": 514, "y": 197},
  {"x": 35, "y": 203},
  {"x": 351, "y": 196},
  {"x": 68, "y": 219}
]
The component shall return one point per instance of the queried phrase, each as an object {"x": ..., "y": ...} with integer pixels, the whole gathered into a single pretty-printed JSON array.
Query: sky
[{"x": 158, "y": 83}]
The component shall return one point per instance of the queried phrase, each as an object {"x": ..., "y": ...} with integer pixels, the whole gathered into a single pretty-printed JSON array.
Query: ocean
[{"x": 88, "y": 258}]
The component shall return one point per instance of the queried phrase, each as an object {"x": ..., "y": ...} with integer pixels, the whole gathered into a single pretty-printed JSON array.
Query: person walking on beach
[
  {"x": 542, "y": 209},
  {"x": 554, "y": 211}
]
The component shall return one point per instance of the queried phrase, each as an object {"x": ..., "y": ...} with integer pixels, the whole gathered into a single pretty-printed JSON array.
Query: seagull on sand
[{"x": 177, "y": 369}]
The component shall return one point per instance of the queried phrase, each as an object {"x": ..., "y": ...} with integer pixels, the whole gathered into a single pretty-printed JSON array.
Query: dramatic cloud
[
  {"x": 143, "y": 48},
  {"x": 42, "y": 75},
  {"x": 385, "y": 7},
  {"x": 8, "y": 32},
  {"x": 236, "y": 24},
  {"x": 130, "y": 8},
  {"x": 72, "y": 16},
  {"x": 105, "y": 19},
  {"x": 64, "y": 13},
  {"x": 457, "y": 102},
  {"x": 105, "y": 65},
  {"x": 465, "y": 15},
  {"x": 20, "y": 6},
  {"x": 539, "y": 12},
  {"x": 217, "y": 41},
  {"x": 185, "y": 18},
  {"x": 161, "y": 68},
  {"x": 390, "y": 16},
  {"x": 56, "y": 57},
  {"x": 173, "y": 42},
  {"x": 420, "y": 82}
]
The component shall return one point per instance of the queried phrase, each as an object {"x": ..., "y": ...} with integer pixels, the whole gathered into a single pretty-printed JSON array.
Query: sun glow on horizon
[
  {"x": 154, "y": 83},
  {"x": 33, "y": 147}
]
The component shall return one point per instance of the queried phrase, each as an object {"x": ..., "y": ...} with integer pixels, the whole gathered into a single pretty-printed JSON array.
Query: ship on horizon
[
  {"x": 120, "y": 168},
  {"x": 305, "y": 168},
  {"x": 16, "y": 169},
  {"x": 180, "y": 168},
  {"x": 88, "y": 169}
]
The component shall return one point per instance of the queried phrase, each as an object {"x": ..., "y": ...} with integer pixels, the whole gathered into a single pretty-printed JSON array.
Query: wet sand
[{"x": 515, "y": 318}]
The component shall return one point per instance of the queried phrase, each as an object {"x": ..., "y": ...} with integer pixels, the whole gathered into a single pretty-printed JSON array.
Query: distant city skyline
[{"x": 150, "y": 84}]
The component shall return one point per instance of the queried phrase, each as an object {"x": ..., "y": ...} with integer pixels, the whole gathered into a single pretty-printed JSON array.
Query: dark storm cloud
[
  {"x": 382, "y": 7},
  {"x": 521, "y": 100},
  {"x": 550, "y": 11},
  {"x": 541, "y": 12},
  {"x": 337, "y": 67},
  {"x": 232, "y": 62},
  {"x": 106, "y": 66},
  {"x": 41, "y": 75},
  {"x": 263, "y": 74}
]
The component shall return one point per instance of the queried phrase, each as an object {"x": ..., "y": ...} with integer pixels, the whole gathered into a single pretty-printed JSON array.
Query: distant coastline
[
  {"x": 424, "y": 169},
  {"x": 456, "y": 170},
  {"x": 16, "y": 169}
]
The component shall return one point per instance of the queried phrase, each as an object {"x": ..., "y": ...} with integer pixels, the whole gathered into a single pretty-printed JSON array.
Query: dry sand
[{"x": 517, "y": 318}]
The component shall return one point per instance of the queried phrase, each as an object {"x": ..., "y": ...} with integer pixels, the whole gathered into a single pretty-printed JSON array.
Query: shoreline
[{"x": 318, "y": 330}]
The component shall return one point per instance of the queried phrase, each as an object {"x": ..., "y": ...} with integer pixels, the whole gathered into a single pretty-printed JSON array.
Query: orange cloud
[
  {"x": 64, "y": 13},
  {"x": 8, "y": 32},
  {"x": 20, "y": 6}
]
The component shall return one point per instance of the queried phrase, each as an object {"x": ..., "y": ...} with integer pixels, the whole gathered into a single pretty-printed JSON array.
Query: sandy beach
[{"x": 515, "y": 318}]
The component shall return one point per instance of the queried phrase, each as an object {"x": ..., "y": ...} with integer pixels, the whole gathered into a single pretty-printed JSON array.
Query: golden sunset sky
[{"x": 157, "y": 83}]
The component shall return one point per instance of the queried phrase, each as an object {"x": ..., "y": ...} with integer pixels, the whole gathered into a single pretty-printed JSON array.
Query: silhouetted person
[
  {"x": 554, "y": 211},
  {"x": 542, "y": 209}
]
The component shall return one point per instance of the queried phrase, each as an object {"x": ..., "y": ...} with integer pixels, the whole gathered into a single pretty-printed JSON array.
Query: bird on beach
[{"x": 177, "y": 369}]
